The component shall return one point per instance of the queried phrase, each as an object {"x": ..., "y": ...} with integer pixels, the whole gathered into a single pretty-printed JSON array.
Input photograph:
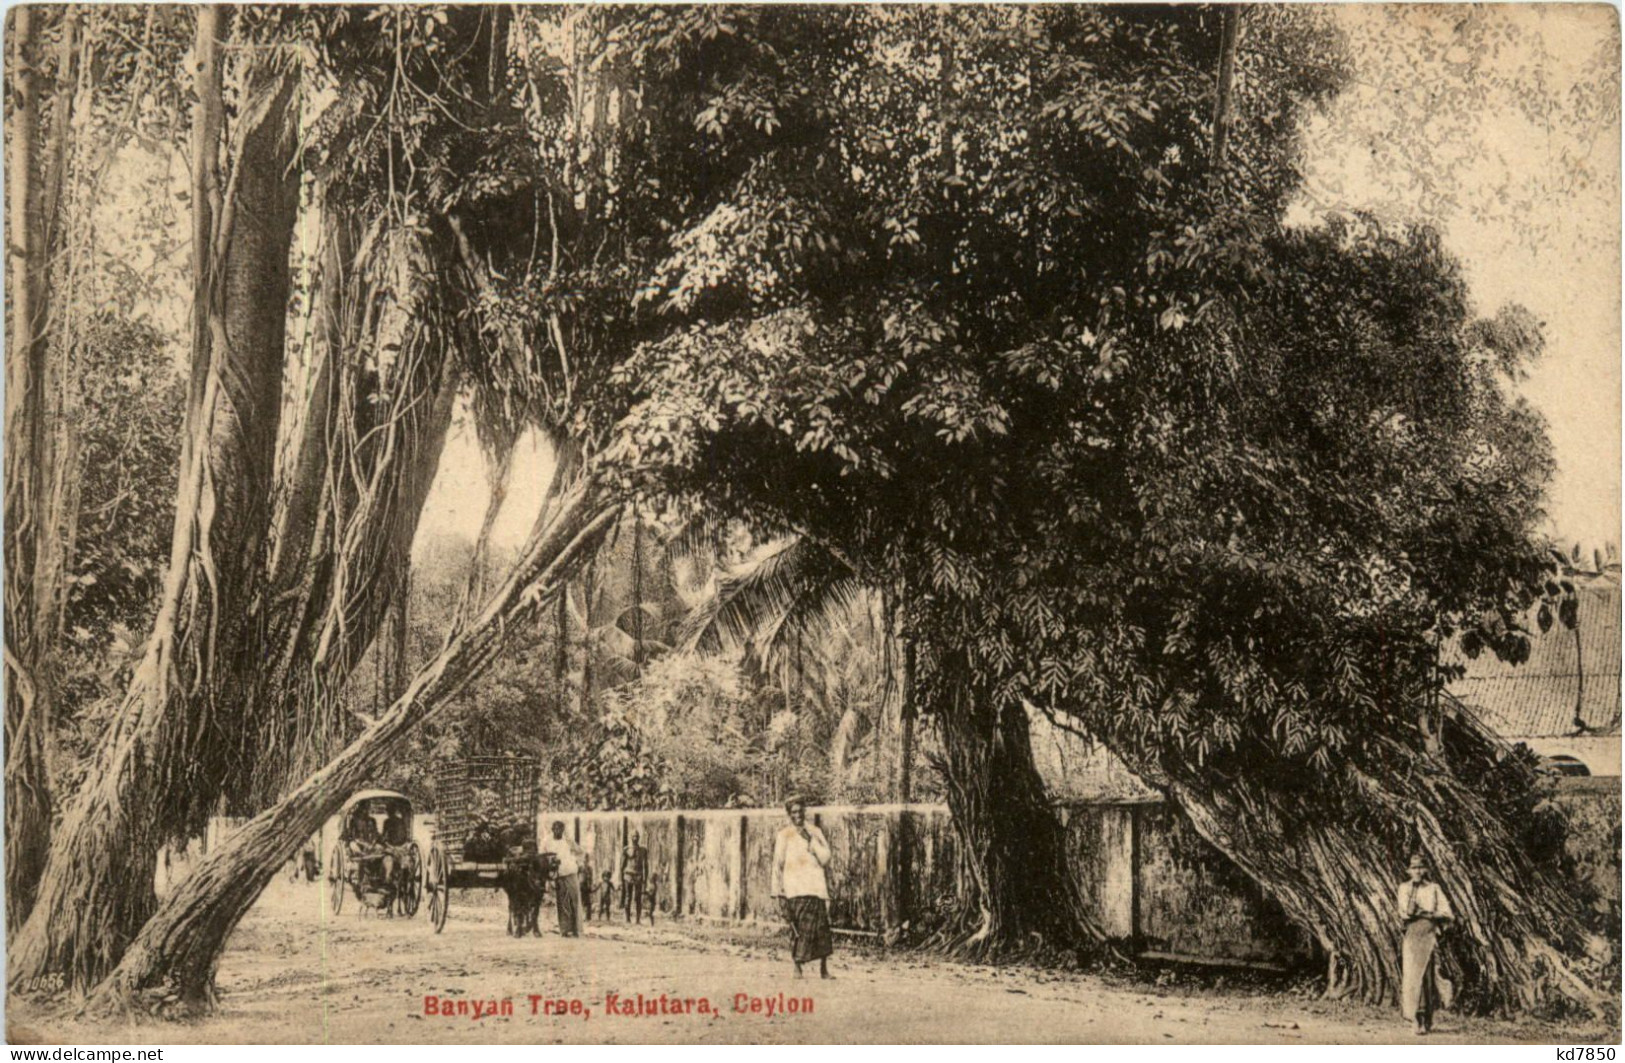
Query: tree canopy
[
  {"x": 1213, "y": 492},
  {"x": 992, "y": 314}
]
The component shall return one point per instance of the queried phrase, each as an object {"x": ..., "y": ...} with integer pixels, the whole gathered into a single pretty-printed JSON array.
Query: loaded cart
[{"x": 485, "y": 829}]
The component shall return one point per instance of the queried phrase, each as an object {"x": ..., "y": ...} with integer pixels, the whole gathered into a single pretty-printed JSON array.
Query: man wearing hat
[
  {"x": 1424, "y": 912},
  {"x": 800, "y": 855}
]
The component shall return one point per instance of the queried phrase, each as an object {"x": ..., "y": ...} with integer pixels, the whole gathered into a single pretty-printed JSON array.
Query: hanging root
[{"x": 1522, "y": 943}]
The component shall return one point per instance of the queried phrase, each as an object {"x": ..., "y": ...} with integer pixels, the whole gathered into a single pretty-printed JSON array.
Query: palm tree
[
  {"x": 619, "y": 625},
  {"x": 805, "y": 619}
]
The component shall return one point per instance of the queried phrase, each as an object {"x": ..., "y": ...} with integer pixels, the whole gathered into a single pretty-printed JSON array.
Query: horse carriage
[
  {"x": 375, "y": 858},
  {"x": 485, "y": 837}
]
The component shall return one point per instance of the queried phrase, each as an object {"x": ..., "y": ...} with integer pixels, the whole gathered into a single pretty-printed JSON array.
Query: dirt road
[{"x": 294, "y": 973}]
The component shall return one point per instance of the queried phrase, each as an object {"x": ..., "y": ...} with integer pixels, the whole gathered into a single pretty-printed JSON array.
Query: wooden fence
[
  {"x": 1144, "y": 873},
  {"x": 1146, "y": 877}
]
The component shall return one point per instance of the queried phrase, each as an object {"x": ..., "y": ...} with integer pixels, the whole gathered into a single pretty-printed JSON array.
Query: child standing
[{"x": 649, "y": 895}]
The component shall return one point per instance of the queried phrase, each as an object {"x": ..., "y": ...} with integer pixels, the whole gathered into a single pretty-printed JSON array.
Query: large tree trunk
[
  {"x": 389, "y": 324},
  {"x": 171, "y": 966},
  {"x": 28, "y": 808},
  {"x": 906, "y": 714},
  {"x": 1335, "y": 872},
  {"x": 1019, "y": 896},
  {"x": 162, "y": 762},
  {"x": 1227, "y": 74},
  {"x": 357, "y": 485},
  {"x": 33, "y": 510},
  {"x": 589, "y": 581},
  {"x": 637, "y": 591}
]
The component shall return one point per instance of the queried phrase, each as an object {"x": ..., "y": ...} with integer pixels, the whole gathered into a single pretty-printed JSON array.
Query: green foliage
[
  {"x": 688, "y": 734},
  {"x": 515, "y": 706},
  {"x": 128, "y": 399},
  {"x": 1219, "y": 482},
  {"x": 1211, "y": 488},
  {"x": 723, "y": 727},
  {"x": 1437, "y": 93},
  {"x": 959, "y": 297}
]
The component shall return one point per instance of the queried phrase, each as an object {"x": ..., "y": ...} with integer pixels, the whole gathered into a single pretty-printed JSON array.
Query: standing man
[
  {"x": 1425, "y": 913},
  {"x": 568, "y": 887},
  {"x": 634, "y": 870},
  {"x": 800, "y": 856}
]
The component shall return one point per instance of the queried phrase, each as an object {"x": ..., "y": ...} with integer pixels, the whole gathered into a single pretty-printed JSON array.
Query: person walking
[
  {"x": 567, "y": 889},
  {"x": 1425, "y": 913},
  {"x": 800, "y": 857}
]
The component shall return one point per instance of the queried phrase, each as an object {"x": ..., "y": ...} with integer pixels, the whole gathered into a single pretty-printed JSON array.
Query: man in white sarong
[
  {"x": 1425, "y": 913},
  {"x": 567, "y": 886}
]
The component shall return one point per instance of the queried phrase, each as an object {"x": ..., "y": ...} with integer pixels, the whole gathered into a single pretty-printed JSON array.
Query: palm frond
[
  {"x": 650, "y": 610},
  {"x": 611, "y": 640},
  {"x": 786, "y": 589},
  {"x": 698, "y": 537}
]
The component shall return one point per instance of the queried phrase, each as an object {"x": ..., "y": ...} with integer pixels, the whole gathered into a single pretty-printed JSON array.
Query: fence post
[
  {"x": 744, "y": 862},
  {"x": 903, "y": 862},
  {"x": 1134, "y": 874},
  {"x": 885, "y": 898},
  {"x": 677, "y": 870}
]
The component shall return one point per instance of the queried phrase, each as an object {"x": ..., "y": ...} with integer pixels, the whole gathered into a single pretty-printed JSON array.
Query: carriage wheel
[
  {"x": 335, "y": 878},
  {"x": 435, "y": 880},
  {"x": 410, "y": 893}
]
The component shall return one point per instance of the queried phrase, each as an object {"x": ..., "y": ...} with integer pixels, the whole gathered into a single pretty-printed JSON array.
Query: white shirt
[
  {"x": 1426, "y": 899},
  {"x": 565, "y": 850},
  {"x": 798, "y": 863}
]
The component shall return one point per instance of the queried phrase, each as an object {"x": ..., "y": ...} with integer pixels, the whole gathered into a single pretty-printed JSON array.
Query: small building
[{"x": 1564, "y": 702}]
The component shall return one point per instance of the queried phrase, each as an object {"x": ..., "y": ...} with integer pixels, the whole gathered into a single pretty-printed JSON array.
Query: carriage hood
[{"x": 373, "y": 795}]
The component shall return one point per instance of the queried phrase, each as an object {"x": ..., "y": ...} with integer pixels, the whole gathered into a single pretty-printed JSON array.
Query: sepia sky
[
  {"x": 1499, "y": 126},
  {"x": 1502, "y": 130}
]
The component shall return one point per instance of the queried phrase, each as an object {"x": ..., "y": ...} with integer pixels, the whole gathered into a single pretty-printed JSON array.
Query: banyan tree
[{"x": 992, "y": 306}]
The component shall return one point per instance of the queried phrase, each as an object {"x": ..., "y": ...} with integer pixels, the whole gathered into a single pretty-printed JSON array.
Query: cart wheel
[
  {"x": 436, "y": 881},
  {"x": 410, "y": 893},
  {"x": 335, "y": 878}
]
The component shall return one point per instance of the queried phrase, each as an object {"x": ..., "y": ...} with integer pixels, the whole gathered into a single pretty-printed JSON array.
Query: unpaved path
[{"x": 294, "y": 974}]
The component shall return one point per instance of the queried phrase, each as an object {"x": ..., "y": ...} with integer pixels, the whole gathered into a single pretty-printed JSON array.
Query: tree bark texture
[
  {"x": 1223, "y": 90},
  {"x": 1020, "y": 896},
  {"x": 637, "y": 591},
  {"x": 160, "y": 766},
  {"x": 171, "y": 965},
  {"x": 37, "y": 450},
  {"x": 906, "y": 717},
  {"x": 28, "y": 808},
  {"x": 1335, "y": 873},
  {"x": 266, "y": 615},
  {"x": 373, "y": 427}
]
